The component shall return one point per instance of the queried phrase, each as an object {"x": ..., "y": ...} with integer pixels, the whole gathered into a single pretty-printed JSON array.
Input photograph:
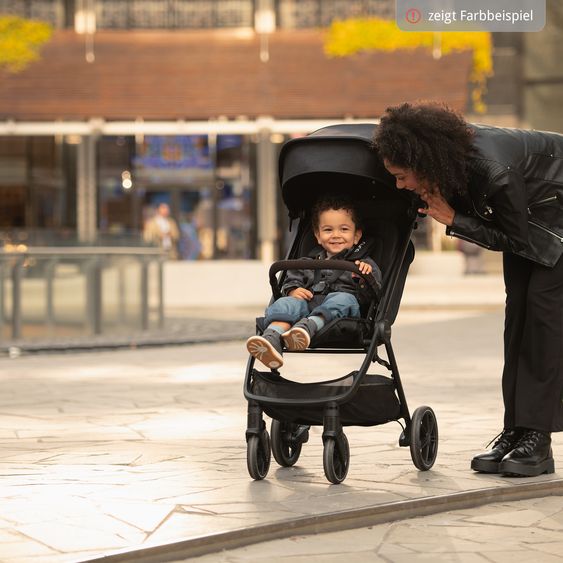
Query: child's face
[{"x": 336, "y": 231}]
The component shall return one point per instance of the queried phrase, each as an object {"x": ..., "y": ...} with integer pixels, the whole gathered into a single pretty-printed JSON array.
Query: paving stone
[
  {"x": 126, "y": 449},
  {"x": 442, "y": 537}
]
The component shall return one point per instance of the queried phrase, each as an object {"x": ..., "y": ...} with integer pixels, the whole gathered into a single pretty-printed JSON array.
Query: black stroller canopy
[{"x": 336, "y": 159}]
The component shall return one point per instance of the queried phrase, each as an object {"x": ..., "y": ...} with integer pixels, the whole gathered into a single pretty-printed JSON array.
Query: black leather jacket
[{"x": 516, "y": 191}]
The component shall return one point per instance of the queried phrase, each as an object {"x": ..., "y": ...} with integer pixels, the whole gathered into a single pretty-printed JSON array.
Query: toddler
[{"x": 312, "y": 298}]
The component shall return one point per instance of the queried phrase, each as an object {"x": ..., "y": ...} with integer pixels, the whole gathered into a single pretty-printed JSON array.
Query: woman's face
[{"x": 407, "y": 179}]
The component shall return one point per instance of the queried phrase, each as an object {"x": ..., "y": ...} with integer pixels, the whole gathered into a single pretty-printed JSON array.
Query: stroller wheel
[
  {"x": 335, "y": 460},
  {"x": 424, "y": 438},
  {"x": 258, "y": 455},
  {"x": 286, "y": 445}
]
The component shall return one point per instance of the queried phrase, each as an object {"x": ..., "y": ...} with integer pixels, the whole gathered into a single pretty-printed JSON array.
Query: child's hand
[
  {"x": 364, "y": 267},
  {"x": 301, "y": 293}
]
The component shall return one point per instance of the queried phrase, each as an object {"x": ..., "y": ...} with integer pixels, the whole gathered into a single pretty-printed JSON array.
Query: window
[
  {"x": 320, "y": 13},
  {"x": 173, "y": 14},
  {"x": 59, "y": 13},
  {"x": 37, "y": 189},
  {"x": 206, "y": 181}
]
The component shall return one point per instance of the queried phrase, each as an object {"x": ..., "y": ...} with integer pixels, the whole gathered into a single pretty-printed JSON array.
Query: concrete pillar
[
  {"x": 543, "y": 78},
  {"x": 86, "y": 197},
  {"x": 85, "y": 17},
  {"x": 264, "y": 25},
  {"x": 266, "y": 195},
  {"x": 436, "y": 234},
  {"x": 85, "y": 24}
]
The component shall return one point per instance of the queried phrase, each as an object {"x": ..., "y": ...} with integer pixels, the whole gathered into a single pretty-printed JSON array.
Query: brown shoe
[
  {"x": 298, "y": 337},
  {"x": 266, "y": 349}
]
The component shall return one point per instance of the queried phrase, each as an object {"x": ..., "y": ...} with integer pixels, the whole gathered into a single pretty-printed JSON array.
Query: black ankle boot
[
  {"x": 489, "y": 461},
  {"x": 531, "y": 456}
]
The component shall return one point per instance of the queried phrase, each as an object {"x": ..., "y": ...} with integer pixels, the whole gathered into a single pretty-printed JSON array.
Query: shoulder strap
[{"x": 360, "y": 250}]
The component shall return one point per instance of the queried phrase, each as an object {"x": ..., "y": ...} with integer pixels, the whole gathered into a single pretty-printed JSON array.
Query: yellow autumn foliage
[
  {"x": 347, "y": 37},
  {"x": 20, "y": 41}
]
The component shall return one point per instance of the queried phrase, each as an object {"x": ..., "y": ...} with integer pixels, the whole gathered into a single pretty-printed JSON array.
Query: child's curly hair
[
  {"x": 429, "y": 138},
  {"x": 334, "y": 202}
]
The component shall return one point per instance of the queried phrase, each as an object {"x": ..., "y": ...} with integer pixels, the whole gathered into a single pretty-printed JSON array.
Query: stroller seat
[
  {"x": 352, "y": 332},
  {"x": 346, "y": 332}
]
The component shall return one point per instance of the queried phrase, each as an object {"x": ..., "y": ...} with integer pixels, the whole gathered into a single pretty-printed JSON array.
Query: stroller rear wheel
[
  {"x": 286, "y": 442},
  {"x": 424, "y": 438},
  {"x": 336, "y": 460},
  {"x": 258, "y": 455}
]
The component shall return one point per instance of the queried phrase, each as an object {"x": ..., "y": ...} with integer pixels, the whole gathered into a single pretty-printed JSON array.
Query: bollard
[
  {"x": 17, "y": 273},
  {"x": 94, "y": 295},
  {"x": 161, "y": 293},
  {"x": 144, "y": 294},
  {"x": 2, "y": 298},
  {"x": 50, "y": 310}
]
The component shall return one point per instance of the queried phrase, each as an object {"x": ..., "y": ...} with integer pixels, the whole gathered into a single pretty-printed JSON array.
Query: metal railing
[
  {"x": 173, "y": 14},
  {"x": 79, "y": 290}
]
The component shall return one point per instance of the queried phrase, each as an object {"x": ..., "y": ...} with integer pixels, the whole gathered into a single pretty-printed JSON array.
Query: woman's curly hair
[{"x": 432, "y": 140}]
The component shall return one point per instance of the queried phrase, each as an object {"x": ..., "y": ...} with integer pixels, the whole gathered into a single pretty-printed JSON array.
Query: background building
[{"x": 134, "y": 103}]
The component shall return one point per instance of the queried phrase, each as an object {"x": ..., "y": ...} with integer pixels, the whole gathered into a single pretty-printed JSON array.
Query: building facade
[{"x": 136, "y": 103}]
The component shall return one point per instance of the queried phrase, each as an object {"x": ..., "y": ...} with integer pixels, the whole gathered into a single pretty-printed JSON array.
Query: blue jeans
[{"x": 334, "y": 306}]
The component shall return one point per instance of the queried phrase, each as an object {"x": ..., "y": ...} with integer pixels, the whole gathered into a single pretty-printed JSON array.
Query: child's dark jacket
[{"x": 323, "y": 282}]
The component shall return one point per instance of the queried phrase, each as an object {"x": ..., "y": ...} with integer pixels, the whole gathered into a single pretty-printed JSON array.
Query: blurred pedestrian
[
  {"x": 501, "y": 189},
  {"x": 163, "y": 231},
  {"x": 189, "y": 246},
  {"x": 473, "y": 257}
]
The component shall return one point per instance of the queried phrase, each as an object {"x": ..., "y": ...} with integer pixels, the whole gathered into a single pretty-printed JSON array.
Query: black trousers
[{"x": 532, "y": 380}]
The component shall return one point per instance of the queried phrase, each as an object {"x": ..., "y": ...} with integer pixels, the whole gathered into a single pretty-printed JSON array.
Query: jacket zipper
[
  {"x": 542, "y": 201},
  {"x": 484, "y": 216},
  {"x": 453, "y": 233},
  {"x": 546, "y": 230}
]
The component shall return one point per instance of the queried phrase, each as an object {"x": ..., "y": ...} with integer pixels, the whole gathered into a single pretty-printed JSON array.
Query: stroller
[{"x": 332, "y": 160}]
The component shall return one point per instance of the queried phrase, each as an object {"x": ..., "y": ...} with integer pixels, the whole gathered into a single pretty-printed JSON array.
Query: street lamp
[{"x": 264, "y": 25}]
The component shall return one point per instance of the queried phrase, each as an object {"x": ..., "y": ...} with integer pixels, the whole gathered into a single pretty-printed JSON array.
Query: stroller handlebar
[{"x": 345, "y": 265}]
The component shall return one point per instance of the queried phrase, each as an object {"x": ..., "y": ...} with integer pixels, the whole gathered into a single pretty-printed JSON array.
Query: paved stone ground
[
  {"x": 109, "y": 451},
  {"x": 522, "y": 531}
]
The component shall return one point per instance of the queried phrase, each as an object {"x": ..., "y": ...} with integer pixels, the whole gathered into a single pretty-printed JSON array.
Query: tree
[{"x": 20, "y": 41}]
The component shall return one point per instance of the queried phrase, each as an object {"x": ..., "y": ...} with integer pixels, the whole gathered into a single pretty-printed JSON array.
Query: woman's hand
[
  {"x": 301, "y": 293},
  {"x": 438, "y": 208}
]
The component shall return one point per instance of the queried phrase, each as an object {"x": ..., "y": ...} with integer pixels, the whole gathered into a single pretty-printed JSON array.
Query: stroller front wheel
[
  {"x": 336, "y": 459},
  {"x": 258, "y": 455},
  {"x": 424, "y": 438},
  {"x": 286, "y": 446}
]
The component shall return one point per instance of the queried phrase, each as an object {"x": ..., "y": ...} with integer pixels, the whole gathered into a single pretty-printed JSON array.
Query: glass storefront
[
  {"x": 208, "y": 182},
  {"x": 37, "y": 190},
  {"x": 205, "y": 180}
]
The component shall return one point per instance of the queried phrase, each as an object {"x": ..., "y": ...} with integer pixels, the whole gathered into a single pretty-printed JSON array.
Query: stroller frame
[{"x": 302, "y": 162}]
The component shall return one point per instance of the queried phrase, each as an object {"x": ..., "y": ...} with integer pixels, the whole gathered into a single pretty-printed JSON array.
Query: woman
[{"x": 501, "y": 189}]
